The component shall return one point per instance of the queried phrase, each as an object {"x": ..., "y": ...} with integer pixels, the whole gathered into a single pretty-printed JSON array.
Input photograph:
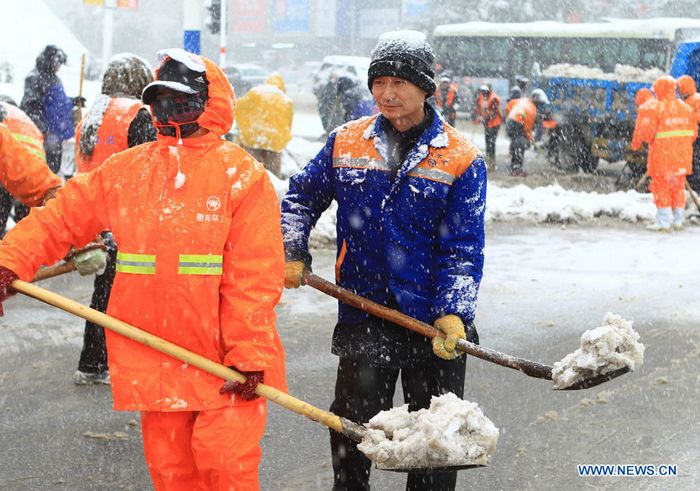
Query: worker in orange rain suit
[
  {"x": 200, "y": 264},
  {"x": 264, "y": 118},
  {"x": 23, "y": 129},
  {"x": 688, "y": 91},
  {"x": 669, "y": 127},
  {"x": 23, "y": 173},
  {"x": 117, "y": 120},
  {"x": 488, "y": 111}
]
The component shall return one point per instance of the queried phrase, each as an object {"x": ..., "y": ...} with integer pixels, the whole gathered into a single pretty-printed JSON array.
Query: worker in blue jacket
[{"x": 411, "y": 196}]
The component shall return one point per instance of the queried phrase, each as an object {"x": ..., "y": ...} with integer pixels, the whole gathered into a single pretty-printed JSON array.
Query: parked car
[
  {"x": 245, "y": 76},
  {"x": 338, "y": 65}
]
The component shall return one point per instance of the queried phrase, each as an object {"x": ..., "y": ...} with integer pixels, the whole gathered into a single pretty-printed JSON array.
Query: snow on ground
[{"x": 547, "y": 204}]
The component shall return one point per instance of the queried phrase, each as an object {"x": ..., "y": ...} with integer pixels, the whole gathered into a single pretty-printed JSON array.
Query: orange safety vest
[
  {"x": 112, "y": 135},
  {"x": 22, "y": 172},
  {"x": 450, "y": 99},
  {"x": 200, "y": 261},
  {"x": 24, "y": 129},
  {"x": 524, "y": 112},
  {"x": 490, "y": 110}
]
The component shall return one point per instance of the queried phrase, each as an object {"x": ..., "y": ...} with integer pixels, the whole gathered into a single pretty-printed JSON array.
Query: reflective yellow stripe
[
  {"x": 673, "y": 134},
  {"x": 136, "y": 263},
  {"x": 433, "y": 175},
  {"x": 201, "y": 264},
  {"x": 32, "y": 144}
]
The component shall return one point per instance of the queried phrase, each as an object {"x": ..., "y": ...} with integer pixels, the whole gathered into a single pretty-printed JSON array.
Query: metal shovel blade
[
  {"x": 428, "y": 470},
  {"x": 597, "y": 380}
]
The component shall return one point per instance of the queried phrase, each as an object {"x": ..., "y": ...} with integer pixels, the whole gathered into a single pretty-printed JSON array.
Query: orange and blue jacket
[
  {"x": 112, "y": 135},
  {"x": 524, "y": 112},
  {"x": 417, "y": 236},
  {"x": 669, "y": 126},
  {"x": 22, "y": 172},
  {"x": 200, "y": 260}
]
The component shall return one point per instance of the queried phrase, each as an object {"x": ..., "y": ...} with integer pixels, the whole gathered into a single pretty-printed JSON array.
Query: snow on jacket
[
  {"x": 670, "y": 128},
  {"x": 47, "y": 104},
  {"x": 264, "y": 116},
  {"x": 23, "y": 129},
  {"x": 110, "y": 119},
  {"x": 24, "y": 174},
  {"x": 200, "y": 259},
  {"x": 419, "y": 236}
]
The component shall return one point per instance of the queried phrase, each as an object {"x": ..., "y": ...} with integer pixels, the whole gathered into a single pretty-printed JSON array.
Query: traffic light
[{"x": 213, "y": 20}]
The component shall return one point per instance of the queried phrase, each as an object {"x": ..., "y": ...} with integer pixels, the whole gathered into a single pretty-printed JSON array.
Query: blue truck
[{"x": 595, "y": 118}]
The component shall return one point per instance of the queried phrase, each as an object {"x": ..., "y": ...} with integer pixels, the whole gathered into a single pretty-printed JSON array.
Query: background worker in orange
[
  {"x": 669, "y": 127},
  {"x": 447, "y": 98},
  {"x": 688, "y": 92},
  {"x": 200, "y": 263},
  {"x": 23, "y": 129},
  {"x": 116, "y": 121},
  {"x": 264, "y": 118},
  {"x": 488, "y": 112}
]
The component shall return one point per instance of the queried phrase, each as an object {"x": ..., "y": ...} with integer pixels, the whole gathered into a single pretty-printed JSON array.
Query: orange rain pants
[
  {"x": 212, "y": 450},
  {"x": 668, "y": 192}
]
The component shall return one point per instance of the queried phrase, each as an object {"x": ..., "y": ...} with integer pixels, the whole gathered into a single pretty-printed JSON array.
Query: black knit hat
[{"x": 406, "y": 55}]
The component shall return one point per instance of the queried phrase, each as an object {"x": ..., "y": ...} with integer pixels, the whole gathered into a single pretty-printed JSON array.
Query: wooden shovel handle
[
  {"x": 55, "y": 270},
  {"x": 529, "y": 368},
  {"x": 326, "y": 418}
]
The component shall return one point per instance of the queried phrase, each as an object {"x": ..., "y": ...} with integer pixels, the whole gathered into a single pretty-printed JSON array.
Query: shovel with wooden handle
[
  {"x": 529, "y": 368},
  {"x": 350, "y": 429}
]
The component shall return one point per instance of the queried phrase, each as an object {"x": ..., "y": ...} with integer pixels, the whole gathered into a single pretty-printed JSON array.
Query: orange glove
[
  {"x": 453, "y": 328},
  {"x": 293, "y": 271}
]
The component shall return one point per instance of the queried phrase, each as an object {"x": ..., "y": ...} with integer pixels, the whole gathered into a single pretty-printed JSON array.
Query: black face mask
[{"x": 177, "y": 114}]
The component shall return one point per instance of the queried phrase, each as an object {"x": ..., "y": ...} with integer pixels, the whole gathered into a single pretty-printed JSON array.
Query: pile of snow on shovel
[{"x": 451, "y": 432}]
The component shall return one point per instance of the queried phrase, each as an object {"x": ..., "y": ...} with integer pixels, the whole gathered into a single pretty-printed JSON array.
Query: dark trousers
[
  {"x": 362, "y": 390},
  {"x": 490, "y": 134},
  {"x": 518, "y": 144},
  {"x": 694, "y": 178},
  {"x": 6, "y": 203},
  {"x": 54, "y": 154},
  {"x": 93, "y": 357}
]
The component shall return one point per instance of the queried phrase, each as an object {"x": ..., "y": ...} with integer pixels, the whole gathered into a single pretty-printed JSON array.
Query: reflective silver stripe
[
  {"x": 136, "y": 263},
  {"x": 360, "y": 163},
  {"x": 432, "y": 174},
  {"x": 208, "y": 264}
]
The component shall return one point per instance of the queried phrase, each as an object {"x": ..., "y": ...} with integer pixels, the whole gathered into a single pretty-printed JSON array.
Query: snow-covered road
[{"x": 543, "y": 286}]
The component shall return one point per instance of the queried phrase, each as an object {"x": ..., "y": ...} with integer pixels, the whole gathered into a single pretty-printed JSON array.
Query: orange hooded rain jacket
[
  {"x": 669, "y": 127},
  {"x": 200, "y": 259},
  {"x": 24, "y": 129},
  {"x": 688, "y": 91},
  {"x": 23, "y": 173}
]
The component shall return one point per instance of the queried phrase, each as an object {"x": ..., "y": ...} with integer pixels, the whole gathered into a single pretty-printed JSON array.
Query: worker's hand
[
  {"x": 7, "y": 276},
  {"x": 246, "y": 389},
  {"x": 453, "y": 328},
  {"x": 79, "y": 101},
  {"x": 293, "y": 271},
  {"x": 91, "y": 262}
]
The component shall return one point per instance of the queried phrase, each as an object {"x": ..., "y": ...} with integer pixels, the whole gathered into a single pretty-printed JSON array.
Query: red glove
[
  {"x": 7, "y": 276},
  {"x": 246, "y": 389}
]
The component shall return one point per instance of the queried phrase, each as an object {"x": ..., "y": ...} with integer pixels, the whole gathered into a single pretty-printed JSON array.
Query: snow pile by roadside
[
  {"x": 607, "y": 348},
  {"x": 622, "y": 73},
  {"x": 548, "y": 204},
  {"x": 554, "y": 204},
  {"x": 451, "y": 432}
]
